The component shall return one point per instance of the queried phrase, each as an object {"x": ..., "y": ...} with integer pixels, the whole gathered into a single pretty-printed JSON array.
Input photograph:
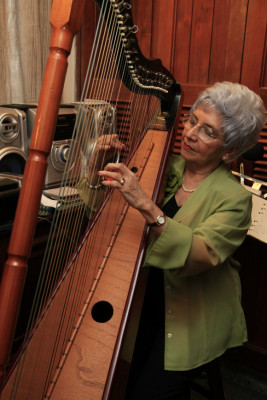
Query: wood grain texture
[
  {"x": 162, "y": 31},
  {"x": 182, "y": 39},
  {"x": 143, "y": 18},
  {"x": 86, "y": 368},
  {"x": 254, "y": 62},
  {"x": 235, "y": 42},
  {"x": 220, "y": 39},
  {"x": 200, "y": 44}
]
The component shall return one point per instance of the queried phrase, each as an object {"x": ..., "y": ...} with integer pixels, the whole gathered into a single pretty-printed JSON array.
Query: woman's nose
[{"x": 192, "y": 132}]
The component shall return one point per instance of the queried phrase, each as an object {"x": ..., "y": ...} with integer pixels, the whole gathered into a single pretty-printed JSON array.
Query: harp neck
[{"x": 141, "y": 75}]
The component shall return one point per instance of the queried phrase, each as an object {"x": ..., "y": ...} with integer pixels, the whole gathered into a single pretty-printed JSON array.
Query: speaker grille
[{"x": 9, "y": 127}]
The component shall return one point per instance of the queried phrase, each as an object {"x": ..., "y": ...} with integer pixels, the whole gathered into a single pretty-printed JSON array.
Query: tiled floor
[
  {"x": 239, "y": 384},
  {"x": 242, "y": 384}
]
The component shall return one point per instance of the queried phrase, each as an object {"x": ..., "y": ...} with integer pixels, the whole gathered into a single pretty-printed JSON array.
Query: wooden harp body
[{"x": 90, "y": 300}]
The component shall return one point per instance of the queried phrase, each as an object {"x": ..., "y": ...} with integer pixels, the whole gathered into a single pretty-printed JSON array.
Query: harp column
[{"x": 66, "y": 17}]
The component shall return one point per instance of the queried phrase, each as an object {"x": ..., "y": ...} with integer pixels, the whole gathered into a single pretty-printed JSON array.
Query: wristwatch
[{"x": 160, "y": 220}]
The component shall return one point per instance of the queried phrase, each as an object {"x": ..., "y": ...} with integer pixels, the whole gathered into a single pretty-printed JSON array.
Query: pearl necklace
[{"x": 188, "y": 190}]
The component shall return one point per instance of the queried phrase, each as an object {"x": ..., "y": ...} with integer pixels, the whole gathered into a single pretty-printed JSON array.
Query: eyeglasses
[{"x": 205, "y": 132}]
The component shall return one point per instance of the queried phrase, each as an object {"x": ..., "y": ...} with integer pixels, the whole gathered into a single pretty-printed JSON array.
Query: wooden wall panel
[
  {"x": 227, "y": 40},
  {"x": 162, "y": 31},
  {"x": 263, "y": 79},
  {"x": 85, "y": 42},
  {"x": 142, "y": 17},
  {"x": 182, "y": 40},
  {"x": 200, "y": 41},
  {"x": 235, "y": 41},
  {"x": 254, "y": 46},
  {"x": 220, "y": 39},
  {"x": 200, "y": 44}
]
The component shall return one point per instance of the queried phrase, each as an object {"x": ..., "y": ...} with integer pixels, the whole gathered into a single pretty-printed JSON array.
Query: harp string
[
  {"x": 48, "y": 290},
  {"x": 57, "y": 254}
]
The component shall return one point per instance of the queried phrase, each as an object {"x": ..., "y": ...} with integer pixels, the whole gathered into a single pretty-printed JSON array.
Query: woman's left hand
[
  {"x": 118, "y": 176},
  {"x": 126, "y": 182}
]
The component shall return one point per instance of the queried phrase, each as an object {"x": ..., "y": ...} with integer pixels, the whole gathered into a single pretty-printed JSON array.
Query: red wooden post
[{"x": 66, "y": 16}]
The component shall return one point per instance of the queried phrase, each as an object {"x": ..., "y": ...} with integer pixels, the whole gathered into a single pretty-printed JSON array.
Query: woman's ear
[{"x": 229, "y": 153}]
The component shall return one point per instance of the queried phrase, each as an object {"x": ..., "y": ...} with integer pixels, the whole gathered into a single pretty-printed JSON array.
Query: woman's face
[{"x": 202, "y": 155}]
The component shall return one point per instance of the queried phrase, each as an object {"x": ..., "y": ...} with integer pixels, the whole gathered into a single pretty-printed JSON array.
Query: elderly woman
[{"x": 192, "y": 311}]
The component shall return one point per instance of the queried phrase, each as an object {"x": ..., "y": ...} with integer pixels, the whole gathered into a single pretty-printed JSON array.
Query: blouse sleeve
[{"x": 192, "y": 247}]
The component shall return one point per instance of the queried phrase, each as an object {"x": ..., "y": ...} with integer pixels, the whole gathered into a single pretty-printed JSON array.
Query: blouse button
[
  {"x": 169, "y": 335},
  {"x": 168, "y": 287},
  {"x": 169, "y": 312}
]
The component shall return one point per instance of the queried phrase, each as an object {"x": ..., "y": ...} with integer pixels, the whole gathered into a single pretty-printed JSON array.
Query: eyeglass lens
[{"x": 205, "y": 133}]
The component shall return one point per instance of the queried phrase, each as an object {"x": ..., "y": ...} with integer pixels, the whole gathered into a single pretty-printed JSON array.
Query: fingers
[
  {"x": 118, "y": 176},
  {"x": 116, "y": 167},
  {"x": 116, "y": 143},
  {"x": 115, "y": 175},
  {"x": 109, "y": 176},
  {"x": 106, "y": 142}
]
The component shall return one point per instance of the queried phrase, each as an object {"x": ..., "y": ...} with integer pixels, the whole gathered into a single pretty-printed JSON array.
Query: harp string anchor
[
  {"x": 123, "y": 19},
  {"x": 130, "y": 30},
  {"x": 120, "y": 5}
]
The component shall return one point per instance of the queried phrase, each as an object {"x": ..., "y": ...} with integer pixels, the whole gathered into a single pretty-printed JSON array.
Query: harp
[{"x": 89, "y": 279}]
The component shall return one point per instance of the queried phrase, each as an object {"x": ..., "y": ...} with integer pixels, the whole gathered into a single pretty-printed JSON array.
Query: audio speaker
[
  {"x": 99, "y": 118},
  {"x": 62, "y": 146},
  {"x": 13, "y": 141},
  {"x": 66, "y": 159}
]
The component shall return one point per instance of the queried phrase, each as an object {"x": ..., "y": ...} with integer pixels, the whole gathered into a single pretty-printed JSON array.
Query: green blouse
[{"x": 203, "y": 313}]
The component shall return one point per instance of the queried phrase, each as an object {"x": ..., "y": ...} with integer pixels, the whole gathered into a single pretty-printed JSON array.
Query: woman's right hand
[
  {"x": 106, "y": 147},
  {"x": 103, "y": 151}
]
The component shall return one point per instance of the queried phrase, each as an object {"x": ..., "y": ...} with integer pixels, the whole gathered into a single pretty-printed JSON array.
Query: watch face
[{"x": 161, "y": 220}]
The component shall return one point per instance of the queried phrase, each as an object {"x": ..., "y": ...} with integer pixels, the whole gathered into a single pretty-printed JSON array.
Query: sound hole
[{"x": 102, "y": 311}]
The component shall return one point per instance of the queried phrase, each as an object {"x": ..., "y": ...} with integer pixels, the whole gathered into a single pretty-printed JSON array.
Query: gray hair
[{"x": 242, "y": 113}]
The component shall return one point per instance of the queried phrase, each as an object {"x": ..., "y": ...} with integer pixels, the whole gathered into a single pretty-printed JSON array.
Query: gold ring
[{"x": 122, "y": 180}]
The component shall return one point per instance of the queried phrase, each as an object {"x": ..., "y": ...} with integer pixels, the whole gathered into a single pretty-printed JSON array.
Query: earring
[{"x": 224, "y": 158}]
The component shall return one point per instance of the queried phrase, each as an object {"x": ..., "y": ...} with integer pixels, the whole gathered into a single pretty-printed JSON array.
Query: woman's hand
[
  {"x": 117, "y": 175},
  {"x": 106, "y": 146},
  {"x": 103, "y": 150}
]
